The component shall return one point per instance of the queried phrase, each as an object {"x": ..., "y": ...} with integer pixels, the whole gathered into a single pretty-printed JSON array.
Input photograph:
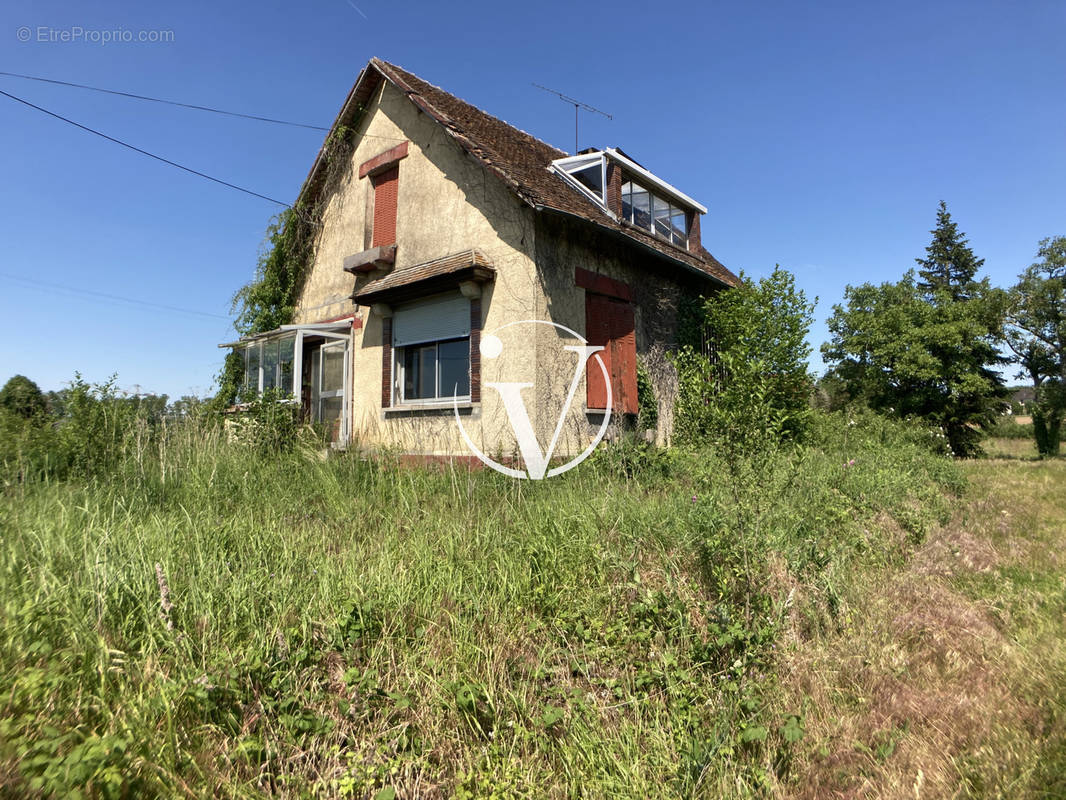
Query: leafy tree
[
  {"x": 23, "y": 397},
  {"x": 1037, "y": 336},
  {"x": 754, "y": 382},
  {"x": 927, "y": 345}
]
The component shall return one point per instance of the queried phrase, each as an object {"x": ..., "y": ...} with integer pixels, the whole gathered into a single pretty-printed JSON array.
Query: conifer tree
[{"x": 949, "y": 263}]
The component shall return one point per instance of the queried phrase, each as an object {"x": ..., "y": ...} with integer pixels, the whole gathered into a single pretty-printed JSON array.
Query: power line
[
  {"x": 188, "y": 105},
  {"x": 168, "y": 102},
  {"x": 144, "y": 152},
  {"x": 106, "y": 296}
]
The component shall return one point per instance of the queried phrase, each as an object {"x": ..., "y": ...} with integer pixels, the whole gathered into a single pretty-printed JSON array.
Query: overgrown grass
[
  {"x": 948, "y": 680},
  {"x": 204, "y": 620}
]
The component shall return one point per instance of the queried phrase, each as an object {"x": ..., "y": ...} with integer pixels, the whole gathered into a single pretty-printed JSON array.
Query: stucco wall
[{"x": 447, "y": 203}]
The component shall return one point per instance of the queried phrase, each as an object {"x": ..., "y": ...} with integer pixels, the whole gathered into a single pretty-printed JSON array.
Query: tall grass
[{"x": 203, "y": 619}]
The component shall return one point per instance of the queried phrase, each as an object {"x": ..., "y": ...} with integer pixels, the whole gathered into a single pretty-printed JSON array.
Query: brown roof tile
[{"x": 470, "y": 263}]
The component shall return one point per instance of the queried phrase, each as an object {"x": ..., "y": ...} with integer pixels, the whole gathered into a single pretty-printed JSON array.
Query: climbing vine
[{"x": 269, "y": 300}]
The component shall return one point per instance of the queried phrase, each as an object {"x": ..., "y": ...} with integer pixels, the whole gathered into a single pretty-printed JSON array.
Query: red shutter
[
  {"x": 623, "y": 358},
  {"x": 597, "y": 332},
  {"x": 385, "y": 186},
  {"x": 610, "y": 324}
]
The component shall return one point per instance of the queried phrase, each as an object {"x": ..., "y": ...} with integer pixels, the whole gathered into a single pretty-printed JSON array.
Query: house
[{"x": 441, "y": 224}]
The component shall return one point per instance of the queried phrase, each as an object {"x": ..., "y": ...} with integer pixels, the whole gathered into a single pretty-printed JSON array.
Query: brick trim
[
  {"x": 386, "y": 362},
  {"x": 602, "y": 284},
  {"x": 694, "y": 243},
  {"x": 475, "y": 350},
  {"x": 614, "y": 188},
  {"x": 383, "y": 160}
]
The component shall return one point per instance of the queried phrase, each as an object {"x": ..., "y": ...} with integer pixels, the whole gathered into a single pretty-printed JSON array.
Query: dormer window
[
  {"x": 654, "y": 214},
  {"x": 647, "y": 201}
]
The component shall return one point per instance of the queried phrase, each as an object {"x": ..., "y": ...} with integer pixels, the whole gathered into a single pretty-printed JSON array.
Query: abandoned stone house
[{"x": 446, "y": 229}]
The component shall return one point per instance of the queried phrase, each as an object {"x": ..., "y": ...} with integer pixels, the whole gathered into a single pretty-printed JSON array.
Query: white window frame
[
  {"x": 566, "y": 166},
  {"x": 671, "y": 207},
  {"x": 400, "y": 381}
]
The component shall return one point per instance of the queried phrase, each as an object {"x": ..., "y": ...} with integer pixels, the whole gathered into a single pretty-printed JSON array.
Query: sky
[{"x": 820, "y": 136}]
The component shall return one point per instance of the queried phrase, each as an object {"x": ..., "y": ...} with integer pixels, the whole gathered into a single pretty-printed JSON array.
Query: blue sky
[{"x": 820, "y": 136}]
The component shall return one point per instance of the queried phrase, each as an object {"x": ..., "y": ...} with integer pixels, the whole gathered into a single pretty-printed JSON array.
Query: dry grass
[{"x": 950, "y": 677}]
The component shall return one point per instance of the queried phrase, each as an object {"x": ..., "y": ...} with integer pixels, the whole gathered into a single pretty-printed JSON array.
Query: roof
[
  {"x": 468, "y": 265},
  {"x": 520, "y": 160}
]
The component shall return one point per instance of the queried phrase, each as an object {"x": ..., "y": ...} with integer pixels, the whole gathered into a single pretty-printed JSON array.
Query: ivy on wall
[{"x": 269, "y": 300}]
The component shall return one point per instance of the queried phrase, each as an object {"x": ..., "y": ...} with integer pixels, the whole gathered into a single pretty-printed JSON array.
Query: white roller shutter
[{"x": 442, "y": 317}]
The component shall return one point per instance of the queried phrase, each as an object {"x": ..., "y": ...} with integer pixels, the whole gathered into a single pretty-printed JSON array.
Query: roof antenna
[{"x": 577, "y": 105}]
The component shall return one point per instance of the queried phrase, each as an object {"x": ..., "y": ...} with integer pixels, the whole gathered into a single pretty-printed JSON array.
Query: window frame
[
  {"x": 400, "y": 398},
  {"x": 672, "y": 211},
  {"x": 279, "y": 363},
  {"x": 573, "y": 164}
]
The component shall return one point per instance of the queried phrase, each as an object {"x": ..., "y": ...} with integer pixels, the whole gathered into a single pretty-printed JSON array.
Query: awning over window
[{"x": 419, "y": 280}]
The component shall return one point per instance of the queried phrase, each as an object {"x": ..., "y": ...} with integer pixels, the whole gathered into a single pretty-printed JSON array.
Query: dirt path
[{"x": 951, "y": 679}]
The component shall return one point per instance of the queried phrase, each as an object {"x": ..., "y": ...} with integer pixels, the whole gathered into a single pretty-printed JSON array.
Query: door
[{"x": 329, "y": 389}]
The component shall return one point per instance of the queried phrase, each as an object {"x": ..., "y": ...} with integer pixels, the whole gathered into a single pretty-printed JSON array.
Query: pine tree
[
  {"x": 949, "y": 263},
  {"x": 926, "y": 346}
]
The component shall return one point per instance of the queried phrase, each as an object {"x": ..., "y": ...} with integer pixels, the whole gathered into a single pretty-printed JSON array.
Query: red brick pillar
[{"x": 386, "y": 362}]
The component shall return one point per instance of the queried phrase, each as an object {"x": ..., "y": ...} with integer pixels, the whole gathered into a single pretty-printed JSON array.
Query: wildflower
[
  {"x": 851, "y": 463},
  {"x": 693, "y": 498}
]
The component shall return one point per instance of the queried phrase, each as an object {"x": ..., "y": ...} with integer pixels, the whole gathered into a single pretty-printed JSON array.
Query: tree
[
  {"x": 926, "y": 347},
  {"x": 23, "y": 397},
  {"x": 755, "y": 379},
  {"x": 1037, "y": 337},
  {"x": 949, "y": 263}
]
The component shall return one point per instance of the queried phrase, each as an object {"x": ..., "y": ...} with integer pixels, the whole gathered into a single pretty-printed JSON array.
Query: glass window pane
[
  {"x": 592, "y": 177},
  {"x": 453, "y": 359},
  {"x": 251, "y": 375},
  {"x": 419, "y": 372},
  {"x": 679, "y": 226},
  {"x": 330, "y": 416},
  {"x": 332, "y": 369},
  {"x": 286, "y": 354},
  {"x": 627, "y": 201},
  {"x": 270, "y": 364},
  {"x": 661, "y": 213},
  {"x": 641, "y": 208},
  {"x": 410, "y": 373},
  {"x": 427, "y": 371}
]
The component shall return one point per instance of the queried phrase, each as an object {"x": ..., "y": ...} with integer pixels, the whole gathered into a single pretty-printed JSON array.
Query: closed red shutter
[
  {"x": 623, "y": 358},
  {"x": 597, "y": 332},
  {"x": 385, "y": 191},
  {"x": 610, "y": 324}
]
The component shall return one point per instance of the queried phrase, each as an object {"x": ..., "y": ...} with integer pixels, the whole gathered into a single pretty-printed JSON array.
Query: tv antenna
[{"x": 578, "y": 105}]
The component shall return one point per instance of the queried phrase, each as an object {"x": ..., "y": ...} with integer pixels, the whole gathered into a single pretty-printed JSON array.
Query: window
[
  {"x": 588, "y": 172},
  {"x": 609, "y": 323},
  {"x": 431, "y": 340},
  {"x": 654, "y": 214},
  {"x": 268, "y": 364},
  {"x": 385, "y": 196},
  {"x": 437, "y": 370}
]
